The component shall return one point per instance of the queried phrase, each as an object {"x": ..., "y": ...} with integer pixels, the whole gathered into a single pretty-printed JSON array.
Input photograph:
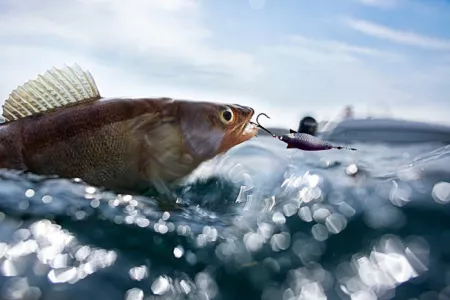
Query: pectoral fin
[{"x": 289, "y": 146}]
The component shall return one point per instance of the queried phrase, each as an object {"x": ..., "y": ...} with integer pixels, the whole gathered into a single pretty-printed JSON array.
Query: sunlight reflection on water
[{"x": 291, "y": 231}]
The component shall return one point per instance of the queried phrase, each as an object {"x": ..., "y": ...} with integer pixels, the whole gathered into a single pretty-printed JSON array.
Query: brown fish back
[{"x": 99, "y": 142}]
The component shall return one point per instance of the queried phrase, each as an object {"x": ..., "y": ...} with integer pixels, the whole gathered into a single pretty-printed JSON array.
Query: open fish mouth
[{"x": 250, "y": 128}]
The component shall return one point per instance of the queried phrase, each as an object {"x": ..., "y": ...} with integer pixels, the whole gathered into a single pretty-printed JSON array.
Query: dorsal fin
[
  {"x": 56, "y": 88},
  {"x": 292, "y": 131}
]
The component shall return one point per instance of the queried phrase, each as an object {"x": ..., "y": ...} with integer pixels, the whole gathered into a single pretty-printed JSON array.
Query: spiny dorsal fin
[
  {"x": 56, "y": 88},
  {"x": 292, "y": 131}
]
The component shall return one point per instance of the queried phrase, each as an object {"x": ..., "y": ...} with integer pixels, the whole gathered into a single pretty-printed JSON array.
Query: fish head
[{"x": 209, "y": 129}]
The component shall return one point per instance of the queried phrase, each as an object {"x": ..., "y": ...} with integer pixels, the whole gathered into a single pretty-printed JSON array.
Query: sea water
[{"x": 261, "y": 222}]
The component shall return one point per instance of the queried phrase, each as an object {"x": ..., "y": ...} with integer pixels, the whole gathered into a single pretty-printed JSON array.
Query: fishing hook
[{"x": 262, "y": 127}]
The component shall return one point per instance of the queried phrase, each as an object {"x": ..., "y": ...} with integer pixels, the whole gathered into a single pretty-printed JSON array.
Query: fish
[
  {"x": 301, "y": 141},
  {"x": 58, "y": 124},
  {"x": 307, "y": 142}
]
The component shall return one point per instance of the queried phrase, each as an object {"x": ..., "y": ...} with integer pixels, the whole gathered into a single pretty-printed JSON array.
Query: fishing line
[{"x": 262, "y": 127}]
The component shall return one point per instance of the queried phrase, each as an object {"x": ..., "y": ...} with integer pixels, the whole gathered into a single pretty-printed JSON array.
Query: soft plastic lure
[{"x": 302, "y": 141}]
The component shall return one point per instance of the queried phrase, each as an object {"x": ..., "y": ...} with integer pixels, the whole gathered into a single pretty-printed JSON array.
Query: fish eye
[{"x": 226, "y": 115}]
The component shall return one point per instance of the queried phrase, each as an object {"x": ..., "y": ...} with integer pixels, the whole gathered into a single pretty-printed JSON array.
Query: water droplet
[
  {"x": 321, "y": 214},
  {"x": 138, "y": 273},
  {"x": 142, "y": 222},
  {"x": 95, "y": 203},
  {"x": 127, "y": 198},
  {"x": 290, "y": 209},
  {"x": 178, "y": 251},
  {"x": 90, "y": 190},
  {"x": 161, "y": 228},
  {"x": 280, "y": 241},
  {"x": 185, "y": 287},
  {"x": 319, "y": 232},
  {"x": 346, "y": 209},
  {"x": 335, "y": 223},
  {"x": 165, "y": 216},
  {"x": 47, "y": 199},
  {"x": 62, "y": 275},
  {"x": 253, "y": 241},
  {"x": 441, "y": 192},
  {"x": 278, "y": 218},
  {"x": 80, "y": 215},
  {"x": 161, "y": 285},
  {"x": 134, "y": 294},
  {"x": 351, "y": 170},
  {"x": 305, "y": 214},
  {"x": 29, "y": 193}
]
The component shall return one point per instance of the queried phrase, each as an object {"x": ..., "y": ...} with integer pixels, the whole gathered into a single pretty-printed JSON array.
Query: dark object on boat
[
  {"x": 308, "y": 125},
  {"x": 302, "y": 141}
]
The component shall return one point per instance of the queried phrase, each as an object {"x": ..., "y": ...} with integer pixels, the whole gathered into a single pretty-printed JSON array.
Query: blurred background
[{"x": 287, "y": 58}]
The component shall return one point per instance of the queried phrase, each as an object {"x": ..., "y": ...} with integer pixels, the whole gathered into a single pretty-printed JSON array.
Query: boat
[
  {"x": 383, "y": 130},
  {"x": 345, "y": 128}
]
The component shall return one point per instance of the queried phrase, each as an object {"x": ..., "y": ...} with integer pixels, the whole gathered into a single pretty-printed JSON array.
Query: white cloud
[
  {"x": 345, "y": 49},
  {"x": 171, "y": 30},
  {"x": 398, "y": 36},
  {"x": 165, "y": 48},
  {"x": 381, "y": 3},
  {"x": 331, "y": 72}
]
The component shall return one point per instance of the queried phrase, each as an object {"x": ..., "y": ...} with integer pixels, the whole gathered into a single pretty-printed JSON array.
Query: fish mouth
[
  {"x": 249, "y": 129},
  {"x": 243, "y": 132}
]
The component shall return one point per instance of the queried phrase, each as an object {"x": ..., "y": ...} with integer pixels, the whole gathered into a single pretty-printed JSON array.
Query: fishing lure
[{"x": 302, "y": 141}]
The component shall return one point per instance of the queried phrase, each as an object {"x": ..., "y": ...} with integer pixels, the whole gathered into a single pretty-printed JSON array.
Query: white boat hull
[{"x": 387, "y": 131}]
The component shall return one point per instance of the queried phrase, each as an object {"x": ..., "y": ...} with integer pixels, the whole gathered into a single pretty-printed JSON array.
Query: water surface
[{"x": 261, "y": 222}]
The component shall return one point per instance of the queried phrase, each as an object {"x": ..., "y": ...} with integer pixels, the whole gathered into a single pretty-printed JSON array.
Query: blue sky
[{"x": 287, "y": 58}]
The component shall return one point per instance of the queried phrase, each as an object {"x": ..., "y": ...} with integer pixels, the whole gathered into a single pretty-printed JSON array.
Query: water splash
[{"x": 255, "y": 223}]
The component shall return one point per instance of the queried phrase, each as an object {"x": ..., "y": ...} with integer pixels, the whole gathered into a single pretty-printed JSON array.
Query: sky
[{"x": 287, "y": 58}]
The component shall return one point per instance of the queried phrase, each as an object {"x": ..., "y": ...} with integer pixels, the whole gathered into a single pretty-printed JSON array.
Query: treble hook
[{"x": 262, "y": 127}]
